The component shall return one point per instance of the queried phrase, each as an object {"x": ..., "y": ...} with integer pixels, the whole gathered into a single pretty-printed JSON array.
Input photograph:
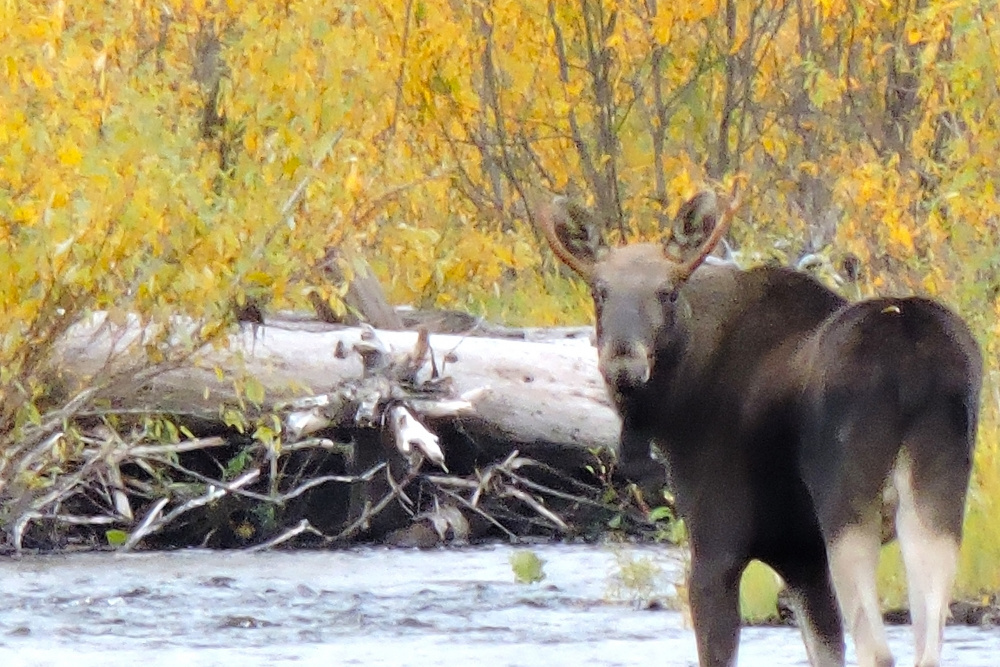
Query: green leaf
[
  {"x": 254, "y": 391},
  {"x": 115, "y": 537},
  {"x": 661, "y": 513},
  {"x": 527, "y": 567}
]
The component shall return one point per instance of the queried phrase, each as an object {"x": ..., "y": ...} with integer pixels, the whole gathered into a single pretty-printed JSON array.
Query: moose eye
[{"x": 600, "y": 293}]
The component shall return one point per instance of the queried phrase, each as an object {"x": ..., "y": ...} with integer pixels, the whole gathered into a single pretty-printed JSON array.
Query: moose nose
[{"x": 625, "y": 365}]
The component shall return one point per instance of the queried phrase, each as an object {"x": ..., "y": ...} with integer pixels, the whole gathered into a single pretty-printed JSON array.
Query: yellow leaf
[
  {"x": 70, "y": 155},
  {"x": 10, "y": 67},
  {"x": 662, "y": 25},
  {"x": 41, "y": 78},
  {"x": 899, "y": 233},
  {"x": 291, "y": 165},
  {"x": 352, "y": 183},
  {"x": 260, "y": 278}
]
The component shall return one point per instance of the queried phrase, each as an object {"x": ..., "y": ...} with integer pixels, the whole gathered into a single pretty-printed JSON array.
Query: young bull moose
[{"x": 709, "y": 362}]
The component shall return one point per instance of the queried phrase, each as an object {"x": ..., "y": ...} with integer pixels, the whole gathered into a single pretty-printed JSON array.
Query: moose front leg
[
  {"x": 713, "y": 594},
  {"x": 636, "y": 464}
]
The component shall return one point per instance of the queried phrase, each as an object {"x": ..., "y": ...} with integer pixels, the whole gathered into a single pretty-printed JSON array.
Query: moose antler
[
  {"x": 546, "y": 221},
  {"x": 720, "y": 230}
]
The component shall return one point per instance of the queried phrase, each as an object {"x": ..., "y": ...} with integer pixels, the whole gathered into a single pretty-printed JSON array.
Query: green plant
[
  {"x": 670, "y": 527},
  {"x": 634, "y": 579},
  {"x": 759, "y": 588},
  {"x": 527, "y": 567}
]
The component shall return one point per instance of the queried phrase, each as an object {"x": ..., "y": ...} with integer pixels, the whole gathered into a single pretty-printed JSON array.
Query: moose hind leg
[
  {"x": 854, "y": 554},
  {"x": 816, "y": 611},
  {"x": 928, "y": 525}
]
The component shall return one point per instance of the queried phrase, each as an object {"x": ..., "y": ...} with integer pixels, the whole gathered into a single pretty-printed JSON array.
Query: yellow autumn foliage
[{"x": 169, "y": 157}]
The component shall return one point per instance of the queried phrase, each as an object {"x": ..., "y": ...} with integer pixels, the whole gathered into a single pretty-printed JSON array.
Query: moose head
[{"x": 641, "y": 312}]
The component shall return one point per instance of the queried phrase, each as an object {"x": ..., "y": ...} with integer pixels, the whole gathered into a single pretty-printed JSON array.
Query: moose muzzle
[{"x": 625, "y": 366}]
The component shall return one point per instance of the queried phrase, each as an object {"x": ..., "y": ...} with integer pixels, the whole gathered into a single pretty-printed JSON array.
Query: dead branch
[
  {"x": 371, "y": 511},
  {"x": 380, "y": 413},
  {"x": 154, "y": 521},
  {"x": 139, "y": 451},
  {"x": 302, "y": 527}
]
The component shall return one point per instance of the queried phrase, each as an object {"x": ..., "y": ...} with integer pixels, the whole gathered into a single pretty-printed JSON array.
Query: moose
[{"x": 783, "y": 414}]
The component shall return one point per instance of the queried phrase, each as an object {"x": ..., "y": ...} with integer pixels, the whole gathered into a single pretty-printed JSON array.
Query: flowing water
[{"x": 374, "y": 606}]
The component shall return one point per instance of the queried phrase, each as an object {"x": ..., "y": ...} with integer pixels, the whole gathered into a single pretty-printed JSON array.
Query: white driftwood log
[{"x": 544, "y": 392}]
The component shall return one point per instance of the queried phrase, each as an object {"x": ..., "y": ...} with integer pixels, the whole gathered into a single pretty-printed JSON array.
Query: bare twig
[
  {"x": 399, "y": 492},
  {"x": 302, "y": 527},
  {"x": 487, "y": 477},
  {"x": 117, "y": 487},
  {"x": 318, "y": 443},
  {"x": 541, "y": 488},
  {"x": 275, "y": 498},
  {"x": 154, "y": 522},
  {"x": 73, "y": 519},
  {"x": 536, "y": 505},
  {"x": 371, "y": 511},
  {"x": 448, "y": 480},
  {"x": 176, "y": 448},
  {"x": 143, "y": 528},
  {"x": 451, "y": 494}
]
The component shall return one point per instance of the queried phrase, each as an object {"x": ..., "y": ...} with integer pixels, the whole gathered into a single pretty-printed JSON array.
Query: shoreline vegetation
[
  {"x": 363, "y": 463},
  {"x": 189, "y": 171}
]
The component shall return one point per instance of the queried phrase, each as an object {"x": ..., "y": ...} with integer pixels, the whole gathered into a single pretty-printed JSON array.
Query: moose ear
[
  {"x": 695, "y": 221},
  {"x": 578, "y": 230}
]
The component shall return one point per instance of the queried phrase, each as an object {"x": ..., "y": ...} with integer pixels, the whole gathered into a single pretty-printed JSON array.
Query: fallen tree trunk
[
  {"x": 302, "y": 431},
  {"x": 544, "y": 390}
]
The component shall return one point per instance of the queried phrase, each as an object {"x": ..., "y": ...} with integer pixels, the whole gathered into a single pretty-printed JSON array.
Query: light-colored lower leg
[
  {"x": 931, "y": 560},
  {"x": 854, "y": 555}
]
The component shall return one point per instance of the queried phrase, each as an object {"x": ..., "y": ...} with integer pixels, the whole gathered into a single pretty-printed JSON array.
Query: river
[{"x": 374, "y": 606}]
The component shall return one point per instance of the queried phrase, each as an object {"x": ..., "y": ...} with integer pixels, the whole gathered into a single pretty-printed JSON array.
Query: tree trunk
[
  {"x": 344, "y": 433},
  {"x": 539, "y": 387}
]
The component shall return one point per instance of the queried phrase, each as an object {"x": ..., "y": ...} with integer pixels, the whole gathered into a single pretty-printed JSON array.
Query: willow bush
[{"x": 175, "y": 157}]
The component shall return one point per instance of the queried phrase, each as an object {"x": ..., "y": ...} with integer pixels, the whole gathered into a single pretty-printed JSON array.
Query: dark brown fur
[
  {"x": 702, "y": 364},
  {"x": 784, "y": 414},
  {"x": 891, "y": 401}
]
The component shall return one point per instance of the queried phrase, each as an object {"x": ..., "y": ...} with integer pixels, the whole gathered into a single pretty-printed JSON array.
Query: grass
[{"x": 641, "y": 581}]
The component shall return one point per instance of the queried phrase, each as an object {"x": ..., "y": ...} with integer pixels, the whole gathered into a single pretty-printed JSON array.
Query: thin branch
[
  {"x": 541, "y": 488},
  {"x": 274, "y": 498},
  {"x": 510, "y": 535},
  {"x": 177, "y": 448},
  {"x": 154, "y": 522},
  {"x": 536, "y": 505},
  {"x": 398, "y": 101},
  {"x": 302, "y": 527},
  {"x": 370, "y": 511},
  {"x": 74, "y": 520}
]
